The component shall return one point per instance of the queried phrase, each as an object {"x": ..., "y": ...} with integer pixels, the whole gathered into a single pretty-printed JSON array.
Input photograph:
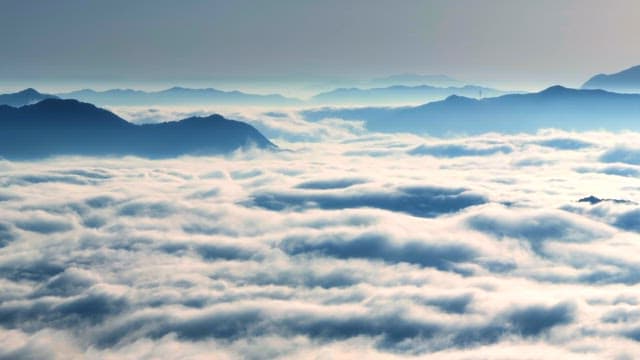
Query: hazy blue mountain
[
  {"x": 416, "y": 80},
  {"x": 593, "y": 200},
  {"x": 176, "y": 96},
  {"x": 70, "y": 127},
  {"x": 624, "y": 81},
  {"x": 555, "y": 107},
  {"x": 24, "y": 97},
  {"x": 401, "y": 94}
]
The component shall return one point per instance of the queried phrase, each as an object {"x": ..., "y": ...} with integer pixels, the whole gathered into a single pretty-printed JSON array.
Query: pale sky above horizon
[{"x": 512, "y": 44}]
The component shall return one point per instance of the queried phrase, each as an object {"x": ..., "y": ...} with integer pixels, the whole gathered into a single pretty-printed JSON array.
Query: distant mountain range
[
  {"x": 555, "y": 107},
  {"x": 625, "y": 81},
  {"x": 69, "y": 127},
  {"x": 416, "y": 80},
  {"x": 401, "y": 94},
  {"x": 177, "y": 96},
  {"x": 391, "y": 95},
  {"x": 24, "y": 97}
]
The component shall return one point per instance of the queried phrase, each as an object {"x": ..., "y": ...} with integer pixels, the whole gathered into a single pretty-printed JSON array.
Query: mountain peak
[
  {"x": 627, "y": 80},
  {"x": 24, "y": 97},
  {"x": 62, "y": 103},
  {"x": 556, "y": 89},
  {"x": 458, "y": 99},
  {"x": 177, "y": 88},
  {"x": 29, "y": 91}
]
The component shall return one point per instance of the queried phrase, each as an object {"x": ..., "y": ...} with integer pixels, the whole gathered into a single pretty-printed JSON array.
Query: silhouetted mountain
[
  {"x": 401, "y": 94},
  {"x": 624, "y": 81},
  {"x": 176, "y": 96},
  {"x": 555, "y": 107},
  {"x": 593, "y": 200},
  {"x": 416, "y": 80},
  {"x": 69, "y": 127},
  {"x": 24, "y": 97}
]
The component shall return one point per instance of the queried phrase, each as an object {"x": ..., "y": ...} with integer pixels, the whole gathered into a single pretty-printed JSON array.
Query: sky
[
  {"x": 344, "y": 242},
  {"x": 151, "y": 44}
]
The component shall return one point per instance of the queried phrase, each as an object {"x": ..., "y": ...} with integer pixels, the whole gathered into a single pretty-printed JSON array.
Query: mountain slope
[
  {"x": 24, "y": 97},
  {"x": 555, "y": 107},
  {"x": 176, "y": 96},
  {"x": 624, "y": 81},
  {"x": 69, "y": 127}
]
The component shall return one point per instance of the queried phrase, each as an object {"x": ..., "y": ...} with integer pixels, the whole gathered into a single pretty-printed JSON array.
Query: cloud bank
[{"x": 347, "y": 244}]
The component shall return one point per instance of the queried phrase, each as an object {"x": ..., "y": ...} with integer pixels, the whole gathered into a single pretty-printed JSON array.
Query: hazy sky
[{"x": 508, "y": 43}]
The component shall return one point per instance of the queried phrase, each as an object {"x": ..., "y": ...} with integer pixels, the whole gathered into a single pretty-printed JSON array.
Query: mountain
[
  {"x": 416, "y": 80},
  {"x": 593, "y": 200},
  {"x": 177, "y": 96},
  {"x": 626, "y": 81},
  {"x": 400, "y": 94},
  {"x": 69, "y": 127},
  {"x": 24, "y": 97},
  {"x": 555, "y": 107}
]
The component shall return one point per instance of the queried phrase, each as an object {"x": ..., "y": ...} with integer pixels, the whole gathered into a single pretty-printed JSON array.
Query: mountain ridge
[
  {"x": 554, "y": 107},
  {"x": 70, "y": 127},
  {"x": 411, "y": 79},
  {"x": 401, "y": 94},
  {"x": 176, "y": 96}
]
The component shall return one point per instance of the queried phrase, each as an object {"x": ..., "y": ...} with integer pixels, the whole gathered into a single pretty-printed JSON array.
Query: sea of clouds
[{"x": 344, "y": 243}]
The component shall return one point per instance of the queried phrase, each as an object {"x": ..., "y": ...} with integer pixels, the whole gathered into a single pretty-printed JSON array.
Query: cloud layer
[{"x": 348, "y": 243}]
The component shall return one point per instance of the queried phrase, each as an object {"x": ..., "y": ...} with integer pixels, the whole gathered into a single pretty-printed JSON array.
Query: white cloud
[{"x": 388, "y": 256}]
